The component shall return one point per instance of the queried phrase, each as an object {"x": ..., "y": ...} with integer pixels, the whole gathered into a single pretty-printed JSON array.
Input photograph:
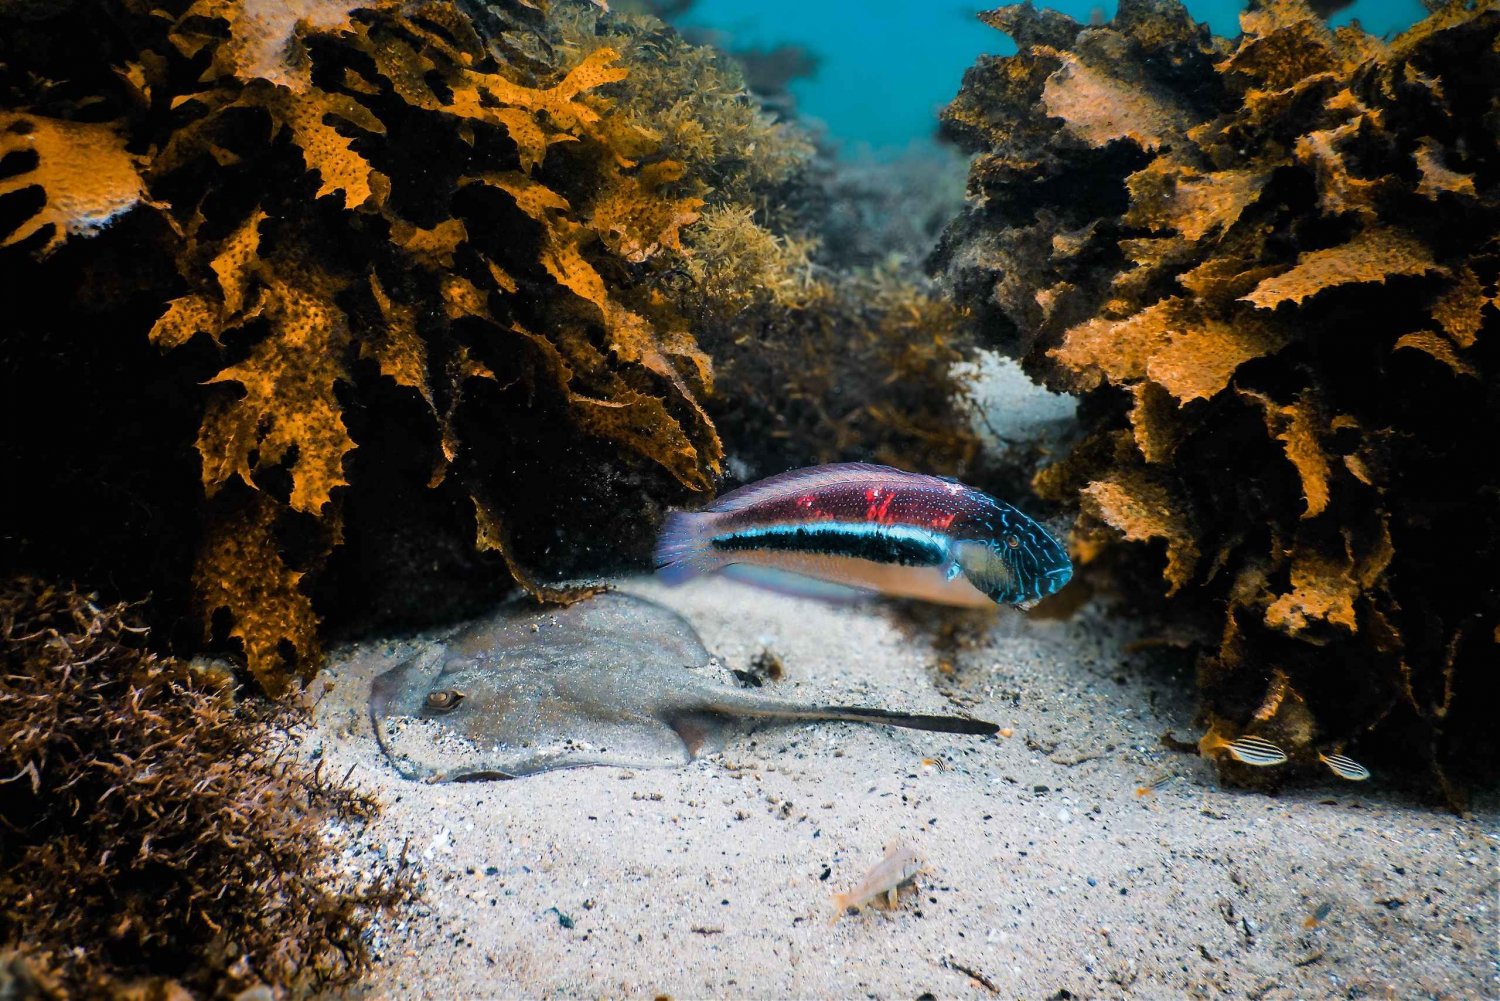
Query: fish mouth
[{"x": 1042, "y": 586}]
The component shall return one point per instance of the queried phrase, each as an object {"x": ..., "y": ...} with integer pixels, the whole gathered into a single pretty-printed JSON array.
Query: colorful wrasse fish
[
  {"x": 1155, "y": 783},
  {"x": 1248, "y": 750},
  {"x": 872, "y": 528}
]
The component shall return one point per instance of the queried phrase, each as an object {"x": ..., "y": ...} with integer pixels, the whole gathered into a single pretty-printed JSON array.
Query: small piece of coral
[
  {"x": 1270, "y": 267},
  {"x": 159, "y": 837}
]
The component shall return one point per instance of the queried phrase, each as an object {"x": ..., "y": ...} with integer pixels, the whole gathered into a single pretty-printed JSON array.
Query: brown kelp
[
  {"x": 401, "y": 265},
  {"x": 367, "y": 312},
  {"x": 859, "y": 365},
  {"x": 159, "y": 837},
  {"x": 1269, "y": 267}
]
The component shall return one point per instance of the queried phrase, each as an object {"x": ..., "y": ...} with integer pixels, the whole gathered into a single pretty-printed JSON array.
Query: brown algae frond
[
  {"x": 369, "y": 313},
  {"x": 1268, "y": 266}
]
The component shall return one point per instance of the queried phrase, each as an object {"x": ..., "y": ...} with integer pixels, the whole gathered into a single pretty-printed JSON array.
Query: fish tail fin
[
  {"x": 682, "y": 549},
  {"x": 841, "y": 903}
]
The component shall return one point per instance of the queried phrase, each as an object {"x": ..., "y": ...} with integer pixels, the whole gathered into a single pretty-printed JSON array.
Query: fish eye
[
  {"x": 444, "y": 700},
  {"x": 1013, "y": 541}
]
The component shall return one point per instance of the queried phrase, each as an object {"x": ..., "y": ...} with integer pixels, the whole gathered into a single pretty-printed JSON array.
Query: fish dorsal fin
[{"x": 810, "y": 478}]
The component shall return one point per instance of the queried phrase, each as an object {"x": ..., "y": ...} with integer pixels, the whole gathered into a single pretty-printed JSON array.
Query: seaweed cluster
[
  {"x": 158, "y": 838},
  {"x": 1269, "y": 266},
  {"x": 859, "y": 366},
  {"x": 389, "y": 281},
  {"x": 367, "y": 312},
  {"x": 768, "y": 71},
  {"x": 798, "y": 277}
]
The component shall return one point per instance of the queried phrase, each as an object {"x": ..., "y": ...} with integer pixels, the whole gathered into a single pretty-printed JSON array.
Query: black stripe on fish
[{"x": 902, "y": 545}]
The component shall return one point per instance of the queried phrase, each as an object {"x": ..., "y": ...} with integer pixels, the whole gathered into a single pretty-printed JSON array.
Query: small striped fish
[
  {"x": 1248, "y": 750},
  {"x": 871, "y": 528},
  {"x": 1344, "y": 767}
]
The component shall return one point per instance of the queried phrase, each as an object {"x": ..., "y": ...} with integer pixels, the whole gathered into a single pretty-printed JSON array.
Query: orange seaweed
[{"x": 1269, "y": 262}]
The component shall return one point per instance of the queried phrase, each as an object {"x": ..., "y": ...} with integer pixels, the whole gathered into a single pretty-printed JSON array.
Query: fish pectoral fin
[
  {"x": 701, "y": 732},
  {"x": 693, "y": 733}
]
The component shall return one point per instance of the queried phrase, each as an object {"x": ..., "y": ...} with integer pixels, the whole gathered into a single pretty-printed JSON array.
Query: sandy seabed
[{"x": 1048, "y": 874}]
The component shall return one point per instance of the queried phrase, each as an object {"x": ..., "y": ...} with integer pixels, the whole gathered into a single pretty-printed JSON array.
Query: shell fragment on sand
[{"x": 898, "y": 868}]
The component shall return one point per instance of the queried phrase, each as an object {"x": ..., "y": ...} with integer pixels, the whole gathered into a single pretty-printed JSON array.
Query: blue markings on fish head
[{"x": 1019, "y": 564}]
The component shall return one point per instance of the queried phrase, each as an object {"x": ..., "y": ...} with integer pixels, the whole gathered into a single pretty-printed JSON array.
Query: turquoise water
[{"x": 887, "y": 66}]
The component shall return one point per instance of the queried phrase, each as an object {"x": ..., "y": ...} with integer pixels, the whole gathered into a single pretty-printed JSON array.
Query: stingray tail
[
  {"x": 912, "y": 721},
  {"x": 859, "y": 714},
  {"x": 682, "y": 548}
]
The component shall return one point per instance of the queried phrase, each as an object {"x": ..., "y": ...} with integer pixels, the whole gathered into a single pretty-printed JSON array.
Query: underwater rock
[
  {"x": 1268, "y": 266},
  {"x": 605, "y": 681}
]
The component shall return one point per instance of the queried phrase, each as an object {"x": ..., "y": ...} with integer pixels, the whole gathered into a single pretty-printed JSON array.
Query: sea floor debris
[{"x": 607, "y": 681}]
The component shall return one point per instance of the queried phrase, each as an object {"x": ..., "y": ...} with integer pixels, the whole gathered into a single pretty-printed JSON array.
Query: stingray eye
[
  {"x": 444, "y": 700},
  {"x": 1013, "y": 541}
]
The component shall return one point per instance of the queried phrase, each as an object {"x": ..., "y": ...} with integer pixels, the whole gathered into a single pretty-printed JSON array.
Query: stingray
[{"x": 607, "y": 681}]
